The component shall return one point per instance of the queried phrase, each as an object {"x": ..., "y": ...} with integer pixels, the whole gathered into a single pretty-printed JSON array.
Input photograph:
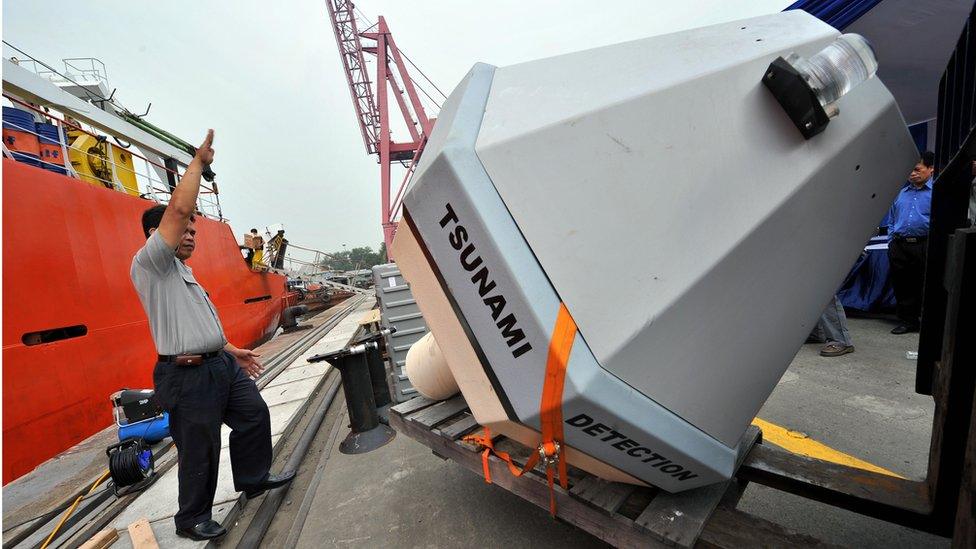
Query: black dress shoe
[
  {"x": 270, "y": 483},
  {"x": 204, "y": 531},
  {"x": 904, "y": 329}
]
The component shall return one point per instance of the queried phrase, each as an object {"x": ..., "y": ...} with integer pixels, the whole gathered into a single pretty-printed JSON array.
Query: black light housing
[{"x": 808, "y": 89}]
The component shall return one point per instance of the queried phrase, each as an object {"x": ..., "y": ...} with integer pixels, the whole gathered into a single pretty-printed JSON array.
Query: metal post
[
  {"x": 377, "y": 371},
  {"x": 377, "y": 374},
  {"x": 171, "y": 167},
  {"x": 367, "y": 433},
  {"x": 382, "y": 68},
  {"x": 955, "y": 382}
]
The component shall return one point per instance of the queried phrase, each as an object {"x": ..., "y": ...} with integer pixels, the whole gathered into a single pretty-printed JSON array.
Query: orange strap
[
  {"x": 550, "y": 413},
  {"x": 485, "y": 442}
]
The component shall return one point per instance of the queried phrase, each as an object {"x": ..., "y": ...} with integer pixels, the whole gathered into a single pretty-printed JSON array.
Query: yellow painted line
[{"x": 801, "y": 443}]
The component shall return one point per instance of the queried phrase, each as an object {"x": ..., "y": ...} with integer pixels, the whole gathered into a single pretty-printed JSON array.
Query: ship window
[
  {"x": 256, "y": 299},
  {"x": 54, "y": 334}
]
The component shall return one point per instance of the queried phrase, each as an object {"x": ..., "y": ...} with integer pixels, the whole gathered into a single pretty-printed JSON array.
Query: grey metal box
[{"x": 398, "y": 310}]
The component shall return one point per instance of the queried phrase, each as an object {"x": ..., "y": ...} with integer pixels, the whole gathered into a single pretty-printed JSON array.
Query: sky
[{"x": 267, "y": 77}]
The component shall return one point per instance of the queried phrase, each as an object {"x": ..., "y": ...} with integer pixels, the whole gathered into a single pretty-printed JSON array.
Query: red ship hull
[{"x": 68, "y": 247}]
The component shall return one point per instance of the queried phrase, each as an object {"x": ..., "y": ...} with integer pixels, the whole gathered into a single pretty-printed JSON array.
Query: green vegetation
[{"x": 356, "y": 258}]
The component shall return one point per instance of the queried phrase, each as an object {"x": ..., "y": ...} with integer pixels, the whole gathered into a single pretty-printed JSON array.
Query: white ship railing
[
  {"x": 88, "y": 68},
  {"x": 150, "y": 185},
  {"x": 90, "y": 71}
]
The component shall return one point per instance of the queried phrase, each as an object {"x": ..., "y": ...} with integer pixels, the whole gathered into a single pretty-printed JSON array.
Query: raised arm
[{"x": 183, "y": 202}]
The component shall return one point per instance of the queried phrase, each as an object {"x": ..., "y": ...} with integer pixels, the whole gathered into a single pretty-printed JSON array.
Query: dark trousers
[
  {"x": 907, "y": 261},
  {"x": 198, "y": 399}
]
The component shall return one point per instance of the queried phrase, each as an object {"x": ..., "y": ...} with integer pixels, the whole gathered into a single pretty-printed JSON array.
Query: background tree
[{"x": 360, "y": 257}]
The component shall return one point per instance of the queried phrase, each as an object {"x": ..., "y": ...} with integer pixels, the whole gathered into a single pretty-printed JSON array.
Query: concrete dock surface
[{"x": 862, "y": 404}]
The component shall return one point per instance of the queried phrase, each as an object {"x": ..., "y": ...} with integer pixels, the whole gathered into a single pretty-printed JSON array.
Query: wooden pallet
[{"x": 622, "y": 515}]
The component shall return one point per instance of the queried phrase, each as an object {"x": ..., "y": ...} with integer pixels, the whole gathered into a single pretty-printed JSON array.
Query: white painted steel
[{"x": 25, "y": 84}]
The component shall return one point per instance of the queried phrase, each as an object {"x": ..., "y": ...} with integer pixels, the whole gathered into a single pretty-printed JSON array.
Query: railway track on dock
[
  {"x": 97, "y": 510},
  {"x": 277, "y": 519}
]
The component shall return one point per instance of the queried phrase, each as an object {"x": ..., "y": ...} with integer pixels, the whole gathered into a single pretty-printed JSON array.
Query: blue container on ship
[
  {"x": 51, "y": 147},
  {"x": 19, "y": 136}
]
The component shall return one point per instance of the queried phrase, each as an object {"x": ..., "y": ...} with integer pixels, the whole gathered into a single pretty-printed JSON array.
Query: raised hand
[{"x": 206, "y": 153}]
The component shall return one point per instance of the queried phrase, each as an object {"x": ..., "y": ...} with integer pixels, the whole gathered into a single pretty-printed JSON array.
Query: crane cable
[{"x": 407, "y": 57}]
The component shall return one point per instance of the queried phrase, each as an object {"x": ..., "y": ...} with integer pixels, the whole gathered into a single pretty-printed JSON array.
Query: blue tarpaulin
[
  {"x": 867, "y": 288},
  {"x": 836, "y": 13},
  {"x": 920, "y": 135}
]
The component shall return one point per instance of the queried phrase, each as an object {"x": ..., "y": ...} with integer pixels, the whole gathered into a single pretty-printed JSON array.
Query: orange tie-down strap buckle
[{"x": 550, "y": 414}]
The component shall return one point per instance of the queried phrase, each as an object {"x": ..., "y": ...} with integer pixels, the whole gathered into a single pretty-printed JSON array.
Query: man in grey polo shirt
[{"x": 201, "y": 379}]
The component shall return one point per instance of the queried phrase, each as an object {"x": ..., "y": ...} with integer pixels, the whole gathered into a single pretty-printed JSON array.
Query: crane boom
[
  {"x": 371, "y": 101},
  {"x": 354, "y": 64}
]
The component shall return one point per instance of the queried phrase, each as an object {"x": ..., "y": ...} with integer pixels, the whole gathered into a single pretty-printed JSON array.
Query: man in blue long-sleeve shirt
[{"x": 908, "y": 232}]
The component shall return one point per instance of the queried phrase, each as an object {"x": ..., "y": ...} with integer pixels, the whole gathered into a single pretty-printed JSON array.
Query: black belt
[
  {"x": 186, "y": 360},
  {"x": 910, "y": 239}
]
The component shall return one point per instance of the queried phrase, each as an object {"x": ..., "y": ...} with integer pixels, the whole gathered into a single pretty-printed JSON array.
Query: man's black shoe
[
  {"x": 904, "y": 329},
  {"x": 272, "y": 482},
  {"x": 204, "y": 531}
]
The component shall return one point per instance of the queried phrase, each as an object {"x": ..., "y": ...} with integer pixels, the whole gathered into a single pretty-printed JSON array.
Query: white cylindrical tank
[{"x": 428, "y": 370}]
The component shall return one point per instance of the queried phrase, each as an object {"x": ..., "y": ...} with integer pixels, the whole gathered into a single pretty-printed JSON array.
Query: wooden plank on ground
[
  {"x": 866, "y": 492},
  {"x": 615, "y": 530},
  {"x": 518, "y": 451},
  {"x": 964, "y": 531},
  {"x": 604, "y": 494},
  {"x": 587, "y": 504},
  {"x": 142, "y": 535},
  {"x": 440, "y": 412},
  {"x": 370, "y": 317},
  {"x": 459, "y": 428},
  {"x": 680, "y": 518},
  {"x": 101, "y": 540},
  {"x": 731, "y": 528},
  {"x": 412, "y": 405}
]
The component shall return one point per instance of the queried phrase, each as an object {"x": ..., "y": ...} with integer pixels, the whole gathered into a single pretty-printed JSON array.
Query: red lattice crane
[{"x": 370, "y": 98}]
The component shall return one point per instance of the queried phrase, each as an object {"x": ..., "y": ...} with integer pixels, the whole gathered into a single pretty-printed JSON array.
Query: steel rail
[
  {"x": 282, "y": 359},
  {"x": 259, "y": 525}
]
